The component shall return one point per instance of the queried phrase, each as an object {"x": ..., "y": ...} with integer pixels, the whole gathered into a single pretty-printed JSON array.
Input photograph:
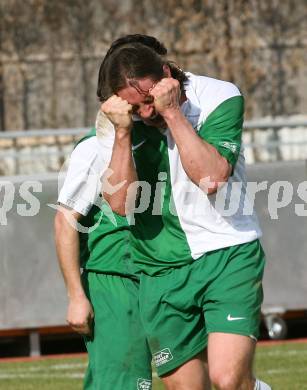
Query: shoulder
[
  {"x": 94, "y": 146},
  {"x": 209, "y": 93},
  {"x": 211, "y": 87},
  {"x": 88, "y": 145},
  {"x": 88, "y": 152}
]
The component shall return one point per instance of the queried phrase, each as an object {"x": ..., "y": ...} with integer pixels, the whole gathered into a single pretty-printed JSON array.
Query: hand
[
  {"x": 118, "y": 111},
  {"x": 80, "y": 315},
  {"x": 166, "y": 94}
]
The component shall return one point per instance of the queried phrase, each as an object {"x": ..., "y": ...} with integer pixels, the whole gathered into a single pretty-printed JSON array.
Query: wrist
[
  {"x": 122, "y": 133},
  {"x": 123, "y": 138},
  {"x": 174, "y": 119},
  {"x": 172, "y": 114},
  {"x": 76, "y": 294}
]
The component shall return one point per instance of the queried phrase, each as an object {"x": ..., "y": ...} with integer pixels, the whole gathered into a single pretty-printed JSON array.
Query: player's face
[{"x": 137, "y": 93}]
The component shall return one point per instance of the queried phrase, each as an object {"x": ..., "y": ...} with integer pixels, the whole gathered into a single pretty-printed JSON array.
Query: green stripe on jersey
[
  {"x": 223, "y": 128},
  {"x": 154, "y": 232}
]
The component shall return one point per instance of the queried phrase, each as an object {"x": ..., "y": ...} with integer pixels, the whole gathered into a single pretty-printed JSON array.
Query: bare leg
[
  {"x": 230, "y": 358},
  {"x": 192, "y": 375}
]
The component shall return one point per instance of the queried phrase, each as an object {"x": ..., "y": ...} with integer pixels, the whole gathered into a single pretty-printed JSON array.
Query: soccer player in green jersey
[
  {"x": 179, "y": 136},
  {"x": 104, "y": 300}
]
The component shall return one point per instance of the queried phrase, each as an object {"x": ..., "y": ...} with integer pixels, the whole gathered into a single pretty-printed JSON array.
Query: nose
[{"x": 145, "y": 111}]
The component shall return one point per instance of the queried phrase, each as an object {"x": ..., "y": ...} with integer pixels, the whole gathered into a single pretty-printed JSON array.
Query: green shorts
[
  {"x": 119, "y": 356},
  {"x": 220, "y": 292}
]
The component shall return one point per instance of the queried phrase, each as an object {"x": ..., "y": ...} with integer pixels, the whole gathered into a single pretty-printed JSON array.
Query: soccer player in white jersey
[{"x": 179, "y": 135}]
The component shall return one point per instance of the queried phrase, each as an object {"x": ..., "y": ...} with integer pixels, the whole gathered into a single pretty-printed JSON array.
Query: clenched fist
[
  {"x": 80, "y": 315},
  {"x": 166, "y": 94},
  {"x": 118, "y": 111}
]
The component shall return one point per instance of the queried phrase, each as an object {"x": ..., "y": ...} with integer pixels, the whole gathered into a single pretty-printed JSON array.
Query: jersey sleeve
[
  {"x": 82, "y": 184},
  {"x": 223, "y": 128}
]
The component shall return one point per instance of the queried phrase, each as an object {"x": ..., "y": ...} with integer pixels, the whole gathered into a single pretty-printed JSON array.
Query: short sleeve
[
  {"x": 223, "y": 128},
  {"x": 82, "y": 184}
]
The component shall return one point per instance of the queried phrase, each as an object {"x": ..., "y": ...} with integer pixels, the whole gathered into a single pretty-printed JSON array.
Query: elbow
[
  {"x": 209, "y": 185},
  {"x": 65, "y": 219},
  {"x": 119, "y": 211},
  {"x": 218, "y": 183},
  {"x": 224, "y": 172},
  {"x": 212, "y": 190},
  {"x": 118, "y": 207},
  {"x": 214, "y": 186},
  {"x": 213, "y": 183}
]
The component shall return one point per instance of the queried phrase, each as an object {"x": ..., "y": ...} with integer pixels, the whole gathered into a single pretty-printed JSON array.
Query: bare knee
[
  {"x": 177, "y": 385},
  {"x": 229, "y": 380},
  {"x": 230, "y": 367},
  {"x": 224, "y": 383},
  {"x": 187, "y": 383},
  {"x": 190, "y": 376}
]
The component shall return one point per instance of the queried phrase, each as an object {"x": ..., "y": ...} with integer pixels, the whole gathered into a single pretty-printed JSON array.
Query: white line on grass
[
  {"x": 75, "y": 375},
  {"x": 290, "y": 352},
  {"x": 281, "y": 371},
  {"x": 56, "y": 367},
  {"x": 23, "y": 375}
]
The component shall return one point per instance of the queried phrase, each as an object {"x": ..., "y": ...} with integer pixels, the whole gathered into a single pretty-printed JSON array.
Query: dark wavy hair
[{"x": 134, "y": 56}]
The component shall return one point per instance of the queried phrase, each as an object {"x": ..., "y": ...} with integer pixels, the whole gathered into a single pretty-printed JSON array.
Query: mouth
[
  {"x": 151, "y": 118},
  {"x": 154, "y": 116},
  {"x": 156, "y": 121}
]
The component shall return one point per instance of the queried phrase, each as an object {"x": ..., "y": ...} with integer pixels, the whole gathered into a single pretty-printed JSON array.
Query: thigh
[
  {"x": 119, "y": 357},
  {"x": 233, "y": 300},
  {"x": 173, "y": 322}
]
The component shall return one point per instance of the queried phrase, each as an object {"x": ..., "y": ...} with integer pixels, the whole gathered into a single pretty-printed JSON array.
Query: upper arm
[{"x": 81, "y": 186}]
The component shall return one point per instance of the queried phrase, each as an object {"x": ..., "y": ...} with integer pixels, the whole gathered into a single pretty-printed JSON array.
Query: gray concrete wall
[
  {"x": 284, "y": 238},
  {"x": 32, "y": 292},
  {"x": 50, "y": 52}
]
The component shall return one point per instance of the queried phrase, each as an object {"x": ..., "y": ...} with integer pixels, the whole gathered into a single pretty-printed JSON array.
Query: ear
[{"x": 166, "y": 71}]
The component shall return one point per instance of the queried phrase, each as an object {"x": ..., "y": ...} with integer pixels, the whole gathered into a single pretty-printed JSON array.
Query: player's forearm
[
  {"x": 199, "y": 159},
  {"x": 122, "y": 175},
  {"x": 67, "y": 246}
]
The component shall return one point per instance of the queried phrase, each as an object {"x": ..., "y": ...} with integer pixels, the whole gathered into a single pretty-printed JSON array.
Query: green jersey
[
  {"x": 176, "y": 222},
  {"x": 104, "y": 235}
]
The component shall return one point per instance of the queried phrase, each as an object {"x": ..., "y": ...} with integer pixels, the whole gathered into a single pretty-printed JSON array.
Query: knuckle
[{"x": 105, "y": 108}]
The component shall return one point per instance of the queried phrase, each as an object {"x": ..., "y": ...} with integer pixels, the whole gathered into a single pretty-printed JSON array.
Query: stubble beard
[{"x": 156, "y": 121}]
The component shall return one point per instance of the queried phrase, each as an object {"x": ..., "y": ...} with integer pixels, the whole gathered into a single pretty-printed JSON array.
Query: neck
[{"x": 182, "y": 98}]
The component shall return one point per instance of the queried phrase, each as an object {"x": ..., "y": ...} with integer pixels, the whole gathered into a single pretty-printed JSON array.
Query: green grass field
[{"x": 284, "y": 366}]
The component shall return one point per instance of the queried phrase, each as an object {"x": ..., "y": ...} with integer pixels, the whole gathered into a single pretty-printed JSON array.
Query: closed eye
[
  {"x": 135, "y": 108},
  {"x": 148, "y": 100}
]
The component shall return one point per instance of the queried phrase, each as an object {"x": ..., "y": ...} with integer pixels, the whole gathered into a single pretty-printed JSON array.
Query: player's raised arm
[
  {"x": 200, "y": 160},
  {"x": 121, "y": 172}
]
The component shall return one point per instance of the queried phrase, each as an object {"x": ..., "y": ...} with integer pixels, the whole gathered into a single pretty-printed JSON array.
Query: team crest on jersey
[
  {"x": 143, "y": 384},
  {"x": 229, "y": 145},
  {"x": 162, "y": 357}
]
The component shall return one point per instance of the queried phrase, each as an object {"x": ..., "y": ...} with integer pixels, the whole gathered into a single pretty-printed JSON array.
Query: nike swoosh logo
[
  {"x": 134, "y": 147},
  {"x": 229, "y": 318}
]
